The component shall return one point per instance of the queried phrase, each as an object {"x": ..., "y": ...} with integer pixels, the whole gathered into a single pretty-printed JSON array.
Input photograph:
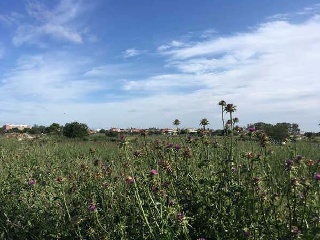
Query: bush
[{"x": 75, "y": 130}]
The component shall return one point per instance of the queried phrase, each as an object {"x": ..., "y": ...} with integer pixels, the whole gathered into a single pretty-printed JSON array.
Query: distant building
[
  {"x": 169, "y": 131},
  {"x": 21, "y": 127},
  {"x": 191, "y": 130},
  {"x": 118, "y": 130}
]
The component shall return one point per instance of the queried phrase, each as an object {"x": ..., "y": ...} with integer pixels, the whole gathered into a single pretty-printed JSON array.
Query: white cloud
[
  {"x": 110, "y": 70},
  {"x": 47, "y": 78},
  {"x": 271, "y": 72},
  {"x": 12, "y": 18},
  {"x": 172, "y": 44},
  {"x": 131, "y": 52},
  {"x": 62, "y": 32},
  {"x": 59, "y": 23}
]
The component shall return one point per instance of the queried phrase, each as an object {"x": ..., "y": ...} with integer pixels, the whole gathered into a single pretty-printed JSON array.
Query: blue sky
[{"x": 144, "y": 63}]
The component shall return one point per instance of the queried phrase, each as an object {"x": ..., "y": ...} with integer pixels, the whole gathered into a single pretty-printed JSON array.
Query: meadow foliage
[{"x": 238, "y": 186}]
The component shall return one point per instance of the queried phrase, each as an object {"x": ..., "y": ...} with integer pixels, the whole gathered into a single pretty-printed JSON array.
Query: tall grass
[{"x": 178, "y": 187}]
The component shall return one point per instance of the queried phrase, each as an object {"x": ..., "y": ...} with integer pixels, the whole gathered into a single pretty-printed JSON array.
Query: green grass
[{"x": 81, "y": 189}]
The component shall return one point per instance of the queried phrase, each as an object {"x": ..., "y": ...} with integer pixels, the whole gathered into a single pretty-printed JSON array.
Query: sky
[{"x": 145, "y": 63}]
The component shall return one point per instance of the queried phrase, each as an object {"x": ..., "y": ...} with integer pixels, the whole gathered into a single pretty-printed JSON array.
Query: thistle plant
[{"x": 159, "y": 187}]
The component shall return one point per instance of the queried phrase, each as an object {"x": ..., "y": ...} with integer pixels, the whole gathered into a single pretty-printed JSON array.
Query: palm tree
[
  {"x": 176, "y": 122},
  {"x": 204, "y": 122}
]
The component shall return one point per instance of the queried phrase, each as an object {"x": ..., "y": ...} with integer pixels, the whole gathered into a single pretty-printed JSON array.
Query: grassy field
[{"x": 144, "y": 187}]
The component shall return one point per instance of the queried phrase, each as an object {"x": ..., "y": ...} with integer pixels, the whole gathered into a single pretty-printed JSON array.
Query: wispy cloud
[
  {"x": 47, "y": 78},
  {"x": 131, "y": 52},
  {"x": 307, "y": 11},
  {"x": 11, "y": 18},
  {"x": 172, "y": 44},
  {"x": 272, "y": 68},
  {"x": 59, "y": 22}
]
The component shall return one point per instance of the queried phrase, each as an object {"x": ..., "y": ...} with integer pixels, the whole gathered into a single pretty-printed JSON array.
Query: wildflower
[
  {"x": 252, "y": 129},
  {"x": 92, "y": 207},
  {"x": 256, "y": 180},
  {"x": 294, "y": 182},
  {"x": 92, "y": 150},
  {"x": 230, "y": 108},
  {"x": 187, "y": 153},
  {"x": 295, "y": 231},
  {"x": 137, "y": 153},
  {"x": 32, "y": 182},
  {"x": 310, "y": 162},
  {"x": 263, "y": 195},
  {"x": 130, "y": 179},
  {"x": 166, "y": 165},
  {"x": 317, "y": 176},
  {"x": 222, "y": 103},
  {"x": 59, "y": 179},
  {"x": 249, "y": 155},
  {"x": 246, "y": 233},
  {"x": 153, "y": 172},
  {"x": 238, "y": 129},
  {"x": 169, "y": 146},
  {"x": 177, "y": 147},
  {"x": 180, "y": 216},
  {"x": 105, "y": 184},
  {"x": 289, "y": 164},
  {"x": 83, "y": 166}
]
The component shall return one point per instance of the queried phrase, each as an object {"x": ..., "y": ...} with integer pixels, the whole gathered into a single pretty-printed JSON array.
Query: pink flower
[
  {"x": 130, "y": 179},
  {"x": 317, "y": 176},
  {"x": 32, "y": 182},
  {"x": 92, "y": 207},
  {"x": 153, "y": 172}
]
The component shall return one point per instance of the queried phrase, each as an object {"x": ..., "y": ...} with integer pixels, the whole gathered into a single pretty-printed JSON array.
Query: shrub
[{"x": 75, "y": 130}]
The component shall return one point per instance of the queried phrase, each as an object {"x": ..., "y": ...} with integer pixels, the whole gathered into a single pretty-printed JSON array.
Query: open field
[{"x": 159, "y": 188}]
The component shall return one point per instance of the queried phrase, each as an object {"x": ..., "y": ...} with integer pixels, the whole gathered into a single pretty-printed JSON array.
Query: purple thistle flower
[
  {"x": 177, "y": 147},
  {"x": 252, "y": 129},
  {"x": 130, "y": 179},
  {"x": 180, "y": 216},
  {"x": 246, "y": 233},
  {"x": 32, "y": 182},
  {"x": 169, "y": 146},
  {"x": 153, "y": 172},
  {"x": 92, "y": 207},
  {"x": 317, "y": 176},
  {"x": 289, "y": 164}
]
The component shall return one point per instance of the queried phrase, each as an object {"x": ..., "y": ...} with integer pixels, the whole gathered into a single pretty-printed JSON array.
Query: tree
[
  {"x": 176, "y": 122},
  {"x": 36, "y": 129},
  {"x": 54, "y": 128},
  {"x": 102, "y": 131},
  {"x": 204, "y": 122},
  {"x": 279, "y": 132},
  {"x": 75, "y": 129}
]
